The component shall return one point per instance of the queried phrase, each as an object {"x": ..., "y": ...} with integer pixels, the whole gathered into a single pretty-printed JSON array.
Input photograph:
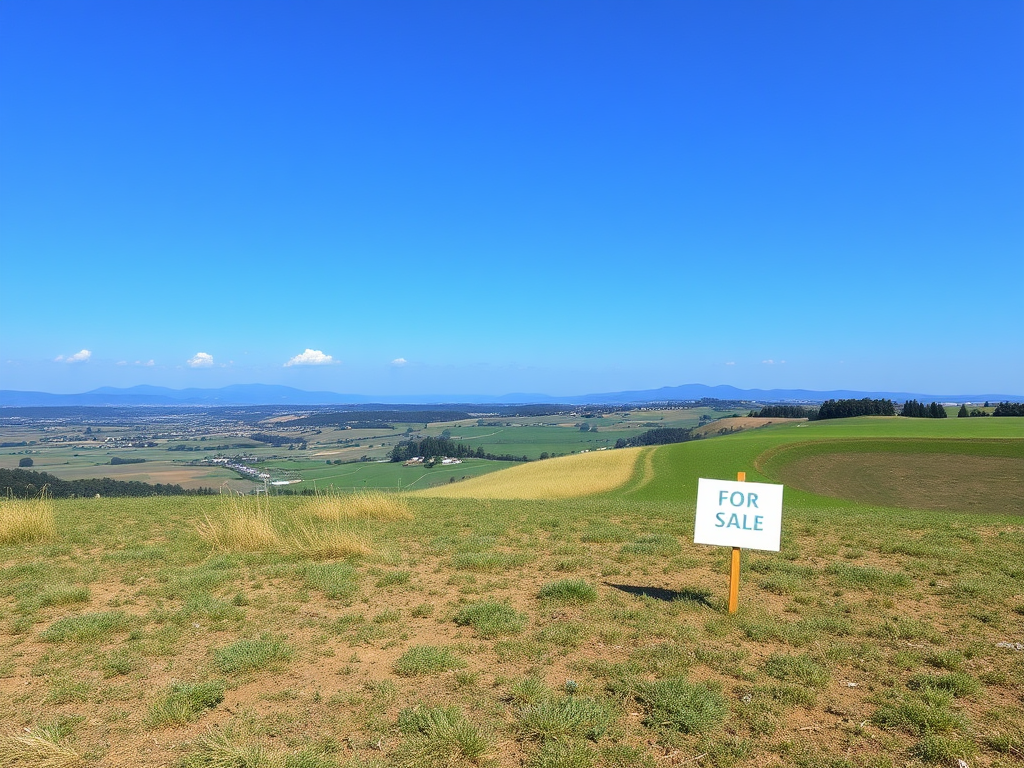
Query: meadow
[{"x": 497, "y": 622}]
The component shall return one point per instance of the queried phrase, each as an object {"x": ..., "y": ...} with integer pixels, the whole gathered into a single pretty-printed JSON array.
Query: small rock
[{"x": 1013, "y": 646}]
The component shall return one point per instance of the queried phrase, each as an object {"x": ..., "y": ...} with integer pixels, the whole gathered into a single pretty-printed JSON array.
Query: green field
[{"x": 405, "y": 630}]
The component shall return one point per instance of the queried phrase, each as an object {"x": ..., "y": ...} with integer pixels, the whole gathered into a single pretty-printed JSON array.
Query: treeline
[
  {"x": 1009, "y": 409},
  {"x": 916, "y": 410},
  {"x": 115, "y": 460},
  {"x": 275, "y": 440},
  {"x": 660, "y": 436},
  {"x": 27, "y": 484},
  {"x": 786, "y": 412},
  {"x": 430, "y": 447},
  {"x": 844, "y": 409}
]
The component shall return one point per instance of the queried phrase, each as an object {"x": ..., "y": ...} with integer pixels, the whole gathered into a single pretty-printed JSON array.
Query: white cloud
[
  {"x": 122, "y": 362},
  {"x": 767, "y": 362},
  {"x": 399, "y": 361},
  {"x": 146, "y": 363},
  {"x": 731, "y": 363},
  {"x": 78, "y": 357},
  {"x": 311, "y": 357},
  {"x": 201, "y": 360}
]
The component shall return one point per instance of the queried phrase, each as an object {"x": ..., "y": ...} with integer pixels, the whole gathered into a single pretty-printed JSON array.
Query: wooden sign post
[
  {"x": 734, "y": 571},
  {"x": 733, "y": 515}
]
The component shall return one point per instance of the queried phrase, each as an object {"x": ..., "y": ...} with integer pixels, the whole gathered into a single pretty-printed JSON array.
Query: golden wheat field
[{"x": 562, "y": 478}]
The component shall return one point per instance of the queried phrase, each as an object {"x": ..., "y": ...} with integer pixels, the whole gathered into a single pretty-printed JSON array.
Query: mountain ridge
[{"x": 276, "y": 394}]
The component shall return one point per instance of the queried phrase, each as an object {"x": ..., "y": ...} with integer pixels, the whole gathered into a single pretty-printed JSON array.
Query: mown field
[{"x": 474, "y": 625}]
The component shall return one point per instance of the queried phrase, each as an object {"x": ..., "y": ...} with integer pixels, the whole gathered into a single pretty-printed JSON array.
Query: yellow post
[{"x": 734, "y": 571}]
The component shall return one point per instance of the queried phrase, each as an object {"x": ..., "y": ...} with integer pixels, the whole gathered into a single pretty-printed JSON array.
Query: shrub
[{"x": 244, "y": 525}]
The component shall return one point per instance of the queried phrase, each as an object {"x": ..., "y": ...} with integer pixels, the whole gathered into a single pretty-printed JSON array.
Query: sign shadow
[{"x": 699, "y": 596}]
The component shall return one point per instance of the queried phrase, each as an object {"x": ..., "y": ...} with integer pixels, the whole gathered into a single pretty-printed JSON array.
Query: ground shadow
[{"x": 668, "y": 595}]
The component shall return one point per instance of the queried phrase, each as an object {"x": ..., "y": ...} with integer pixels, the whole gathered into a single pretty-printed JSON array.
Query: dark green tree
[
  {"x": 962, "y": 413},
  {"x": 26, "y": 462}
]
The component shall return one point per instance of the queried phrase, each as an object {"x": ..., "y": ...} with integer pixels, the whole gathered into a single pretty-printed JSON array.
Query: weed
[
  {"x": 570, "y": 717},
  {"x": 87, "y": 627},
  {"x": 442, "y": 736},
  {"x": 802, "y": 669},
  {"x": 427, "y": 660},
  {"x": 653, "y": 544},
  {"x": 486, "y": 562},
  {"x": 225, "y": 749},
  {"x": 958, "y": 683},
  {"x": 185, "y": 702},
  {"x": 568, "y": 591},
  {"x": 491, "y": 619},
  {"x": 529, "y": 690},
  {"x": 320, "y": 544},
  {"x": 943, "y": 750},
  {"x": 605, "y": 533},
  {"x": 681, "y": 705},
  {"x": 926, "y": 711},
  {"x": 393, "y": 579},
  {"x": 866, "y": 577},
  {"x": 557, "y": 754},
  {"x": 422, "y": 611},
  {"x": 338, "y": 581},
  {"x": 252, "y": 655}
]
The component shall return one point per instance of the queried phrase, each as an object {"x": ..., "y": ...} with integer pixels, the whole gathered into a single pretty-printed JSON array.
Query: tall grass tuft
[
  {"x": 442, "y": 736},
  {"x": 363, "y": 505},
  {"x": 245, "y": 524},
  {"x": 37, "y": 751},
  {"x": 27, "y": 521},
  {"x": 318, "y": 544}
]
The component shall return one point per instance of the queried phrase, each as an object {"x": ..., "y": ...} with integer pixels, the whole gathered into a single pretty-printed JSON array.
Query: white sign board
[{"x": 734, "y": 514}]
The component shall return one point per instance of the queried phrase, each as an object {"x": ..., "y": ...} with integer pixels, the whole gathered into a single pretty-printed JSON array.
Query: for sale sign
[{"x": 734, "y": 514}]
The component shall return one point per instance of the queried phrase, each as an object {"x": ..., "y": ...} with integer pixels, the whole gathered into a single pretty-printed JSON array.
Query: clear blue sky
[{"x": 489, "y": 197}]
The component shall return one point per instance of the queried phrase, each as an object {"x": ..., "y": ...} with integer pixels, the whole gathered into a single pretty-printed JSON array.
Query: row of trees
[
  {"x": 786, "y": 412},
  {"x": 26, "y": 484},
  {"x": 661, "y": 436},
  {"x": 1009, "y": 409},
  {"x": 844, "y": 409},
  {"x": 916, "y": 410},
  {"x": 432, "y": 447}
]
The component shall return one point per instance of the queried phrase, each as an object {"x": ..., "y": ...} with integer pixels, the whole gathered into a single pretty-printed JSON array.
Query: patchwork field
[{"x": 504, "y": 626}]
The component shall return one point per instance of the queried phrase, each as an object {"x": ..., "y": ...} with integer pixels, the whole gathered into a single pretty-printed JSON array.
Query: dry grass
[
  {"x": 245, "y": 524},
  {"x": 26, "y": 521},
  {"x": 561, "y": 478},
  {"x": 31, "y": 751},
  {"x": 328, "y": 545},
  {"x": 364, "y": 505}
]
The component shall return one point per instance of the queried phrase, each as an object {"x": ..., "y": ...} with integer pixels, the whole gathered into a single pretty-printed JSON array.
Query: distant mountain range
[{"x": 271, "y": 394}]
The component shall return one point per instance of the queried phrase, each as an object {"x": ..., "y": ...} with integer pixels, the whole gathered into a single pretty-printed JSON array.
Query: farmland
[
  {"x": 478, "y": 623},
  {"x": 177, "y": 447}
]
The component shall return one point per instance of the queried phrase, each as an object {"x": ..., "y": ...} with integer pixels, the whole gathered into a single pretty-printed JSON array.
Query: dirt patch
[
  {"x": 738, "y": 423},
  {"x": 917, "y": 481}
]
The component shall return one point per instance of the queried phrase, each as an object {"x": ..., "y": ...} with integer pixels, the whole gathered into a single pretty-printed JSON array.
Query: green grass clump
[
  {"x": 252, "y": 655},
  {"x": 926, "y": 711},
  {"x": 427, "y": 660},
  {"x": 605, "y": 533},
  {"x": 228, "y": 749},
  {"x": 393, "y": 579},
  {"x": 960, "y": 684},
  {"x": 337, "y": 581},
  {"x": 801, "y": 669},
  {"x": 56, "y": 594},
  {"x": 561, "y": 719},
  {"x": 681, "y": 705},
  {"x": 653, "y": 544},
  {"x": 568, "y": 591},
  {"x": 558, "y": 754},
  {"x": 86, "y": 627},
  {"x": 185, "y": 702},
  {"x": 944, "y": 750},
  {"x": 441, "y": 736},
  {"x": 866, "y": 577},
  {"x": 491, "y": 619}
]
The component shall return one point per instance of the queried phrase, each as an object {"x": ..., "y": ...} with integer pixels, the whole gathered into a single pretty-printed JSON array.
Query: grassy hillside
[{"x": 410, "y": 630}]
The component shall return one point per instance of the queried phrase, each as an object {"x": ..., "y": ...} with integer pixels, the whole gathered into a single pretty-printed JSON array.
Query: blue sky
[{"x": 489, "y": 197}]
